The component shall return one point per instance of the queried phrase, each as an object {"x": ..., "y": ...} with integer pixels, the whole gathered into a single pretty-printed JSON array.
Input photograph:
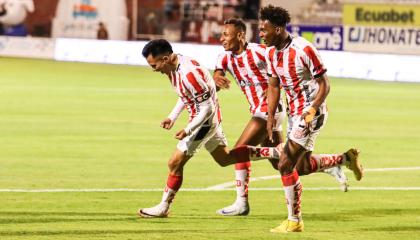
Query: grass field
[{"x": 87, "y": 126}]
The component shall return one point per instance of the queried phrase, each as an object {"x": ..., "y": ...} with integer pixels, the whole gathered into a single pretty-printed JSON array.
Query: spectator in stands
[{"x": 102, "y": 32}]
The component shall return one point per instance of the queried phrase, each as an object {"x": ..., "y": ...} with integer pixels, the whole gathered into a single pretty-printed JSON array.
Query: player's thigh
[
  {"x": 221, "y": 155},
  {"x": 277, "y": 139},
  {"x": 290, "y": 156},
  {"x": 254, "y": 133},
  {"x": 178, "y": 160}
]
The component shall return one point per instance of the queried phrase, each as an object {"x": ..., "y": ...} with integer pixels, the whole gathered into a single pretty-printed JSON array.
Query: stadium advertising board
[
  {"x": 382, "y": 28},
  {"x": 381, "y": 15},
  {"x": 80, "y": 19},
  {"x": 27, "y": 47},
  {"x": 322, "y": 37}
]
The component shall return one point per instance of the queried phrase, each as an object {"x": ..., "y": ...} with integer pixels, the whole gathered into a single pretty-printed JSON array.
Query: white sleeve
[
  {"x": 176, "y": 111},
  {"x": 207, "y": 109}
]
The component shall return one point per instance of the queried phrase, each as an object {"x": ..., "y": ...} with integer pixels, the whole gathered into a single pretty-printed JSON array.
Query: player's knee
[
  {"x": 174, "y": 165},
  {"x": 284, "y": 166}
]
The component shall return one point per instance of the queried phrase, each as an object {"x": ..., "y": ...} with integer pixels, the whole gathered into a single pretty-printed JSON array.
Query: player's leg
[
  {"x": 186, "y": 148},
  {"x": 176, "y": 166},
  {"x": 300, "y": 141},
  {"x": 252, "y": 134},
  {"x": 289, "y": 156}
]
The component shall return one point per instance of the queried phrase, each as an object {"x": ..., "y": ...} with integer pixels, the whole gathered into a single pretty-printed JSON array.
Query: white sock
[
  {"x": 168, "y": 196},
  {"x": 293, "y": 192},
  {"x": 242, "y": 180}
]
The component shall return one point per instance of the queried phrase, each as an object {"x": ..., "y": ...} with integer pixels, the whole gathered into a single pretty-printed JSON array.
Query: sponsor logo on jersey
[{"x": 203, "y": 97}]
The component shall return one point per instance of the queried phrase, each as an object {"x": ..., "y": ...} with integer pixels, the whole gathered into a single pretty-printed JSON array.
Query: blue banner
[{"x": 322, "y": 37}]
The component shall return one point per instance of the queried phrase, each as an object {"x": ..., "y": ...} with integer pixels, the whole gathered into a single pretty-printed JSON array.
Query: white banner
[
  {"x": 81, "y": 18},
  {"x": 127, "y": 52},
  {"x": 384, "y": 67},
  {"x": 27, "y": 47},
  {"x": 380, "y": 39}
]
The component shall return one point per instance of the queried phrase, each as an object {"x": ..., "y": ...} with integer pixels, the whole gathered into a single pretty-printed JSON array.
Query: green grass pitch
[{"x": 90, "y": 126}]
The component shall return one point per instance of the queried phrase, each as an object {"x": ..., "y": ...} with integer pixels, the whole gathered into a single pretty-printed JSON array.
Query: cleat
[
  {"x": 288, "y": 226},
  {"x": 235, "y": 210},
  {"x": 353, "y": 163},
  {"x": 339, "y": 175},
  {"x": 158, "y": 211}
]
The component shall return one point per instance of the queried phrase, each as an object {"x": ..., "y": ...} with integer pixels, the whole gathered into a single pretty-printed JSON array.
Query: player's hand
[
  {"x": 181, "y": 134},
  {"x": 270, "y": 125},
  {"x": 167, "y": 123},
  {"x": 222, "y": 82},
  {"x": 308, "y": 117}
]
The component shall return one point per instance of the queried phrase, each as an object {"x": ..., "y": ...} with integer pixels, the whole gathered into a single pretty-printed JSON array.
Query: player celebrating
[
  {"x": 295, "y": 66},
  {"x": 197, "y": 93},
  {"x": 246, "y": 63}
]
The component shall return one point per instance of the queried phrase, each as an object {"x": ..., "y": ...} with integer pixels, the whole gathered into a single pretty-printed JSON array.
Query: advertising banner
[
  {"x": 322, "y": 37},
  {"x": 82, "y": 18},
  {"x": 27, "y": 47},
  {"x": 381, "y": 15},
  {"x": 398, "y": 40}
]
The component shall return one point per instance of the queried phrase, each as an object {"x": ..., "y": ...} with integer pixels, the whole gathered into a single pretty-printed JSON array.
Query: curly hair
[
  {"x": 238, "y": 23},
  {"x": 276, "y": 15}
]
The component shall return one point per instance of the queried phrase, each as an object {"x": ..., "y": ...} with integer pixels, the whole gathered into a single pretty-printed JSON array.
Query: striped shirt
[
  {"x": 195, "y": 87},
  {"x": 297, "y": 65},
  {"x": 249, "y": 70}
]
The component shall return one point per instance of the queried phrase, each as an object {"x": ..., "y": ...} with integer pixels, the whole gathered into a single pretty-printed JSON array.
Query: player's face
[
  {"x": 230, "y": 38},
  {"x": 159, "y": 63},
  {"x": 268, "y": 32}
]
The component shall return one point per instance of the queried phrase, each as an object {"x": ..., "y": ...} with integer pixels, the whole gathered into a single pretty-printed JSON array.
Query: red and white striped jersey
[
  {"x": 297, "y": 65},
  {"x": 250, "y": 72},
  {"x": 195, "y": 86}
]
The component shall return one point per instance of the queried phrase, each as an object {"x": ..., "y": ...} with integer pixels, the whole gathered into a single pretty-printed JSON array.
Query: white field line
[
  {"x": 227, "y": 186},
  {"x": 90, "y": 190},
  {"x": 232, "y": 183}
]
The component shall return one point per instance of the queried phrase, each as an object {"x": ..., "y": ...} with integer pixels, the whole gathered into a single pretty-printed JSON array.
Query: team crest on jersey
[{"x": 261, "y": 65}]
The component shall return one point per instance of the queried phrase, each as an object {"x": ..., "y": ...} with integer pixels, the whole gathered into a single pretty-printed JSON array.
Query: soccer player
[
  {"x": 197, "y": 93},
  {"x": 295, "y": 66},
  {"x": 246, "y": 63}
]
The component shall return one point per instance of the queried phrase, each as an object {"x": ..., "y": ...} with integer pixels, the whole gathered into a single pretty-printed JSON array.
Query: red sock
[
  {"x": 174, "y": 182},
  {"x": 324, "y": 161}
]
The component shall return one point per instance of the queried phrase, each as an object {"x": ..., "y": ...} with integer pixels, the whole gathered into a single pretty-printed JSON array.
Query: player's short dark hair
[
  {"x": 238, "y": 23},
  {"x": 157, "y": 47},
  {"x": 278, "y": 16}
]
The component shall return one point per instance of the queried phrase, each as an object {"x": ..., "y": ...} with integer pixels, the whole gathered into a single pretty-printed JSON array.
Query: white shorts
[
  {"x": 279, "y": 116},
  {"x": 296, "y": 130},
  {"x": 210, "y": 136}
]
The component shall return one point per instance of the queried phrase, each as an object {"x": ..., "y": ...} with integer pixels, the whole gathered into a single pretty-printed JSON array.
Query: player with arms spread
[
  {"x": 246, "y": 63},
  {"x": 295, "y": 66}
]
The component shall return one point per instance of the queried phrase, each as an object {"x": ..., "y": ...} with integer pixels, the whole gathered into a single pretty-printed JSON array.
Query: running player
[
  {"x": 295, "y": 66},
  {"x": 246, "y": 63},
  {"x": 197, "y": 93}
]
